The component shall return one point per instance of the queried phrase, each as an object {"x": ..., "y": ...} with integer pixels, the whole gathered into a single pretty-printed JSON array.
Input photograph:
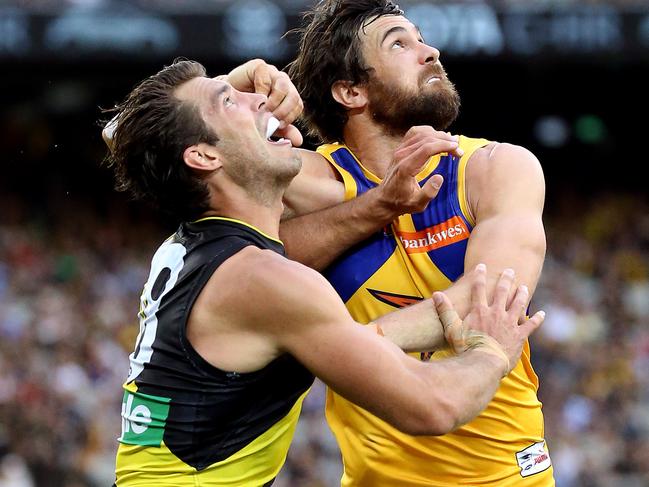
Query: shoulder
[
  {"x": 262, "y": 286},
  {"x": 316, "y": 164},
  {"x": 315, "y": 187},
  {"x": 267, "y": 271},
  {"x": 498, "y": 156},
  {"x": 500, "y": 169}
]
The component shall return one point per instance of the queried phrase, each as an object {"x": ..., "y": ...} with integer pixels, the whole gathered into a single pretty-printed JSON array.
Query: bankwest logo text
[{"x": 431, "y": 238}]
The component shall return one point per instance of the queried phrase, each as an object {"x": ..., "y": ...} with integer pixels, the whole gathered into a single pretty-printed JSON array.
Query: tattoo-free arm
[
  {"x": 507, "y": 194},
  {"x": 318, "y": 238},
  {"x": 416, "y": 397}
]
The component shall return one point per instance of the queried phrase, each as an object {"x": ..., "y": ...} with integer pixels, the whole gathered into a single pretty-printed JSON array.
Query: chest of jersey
[{"x": 413, "y": 256}]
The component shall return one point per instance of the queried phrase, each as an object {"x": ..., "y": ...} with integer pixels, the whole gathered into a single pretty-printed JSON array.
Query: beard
[
  {"x": 263, "y": 176},
  {"x": 398, "y": 109}
]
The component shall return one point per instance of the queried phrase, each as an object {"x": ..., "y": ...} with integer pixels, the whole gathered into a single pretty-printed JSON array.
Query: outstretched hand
[
  {"x": 493, "y": 328},
  {"x": 400, "y": 190}
]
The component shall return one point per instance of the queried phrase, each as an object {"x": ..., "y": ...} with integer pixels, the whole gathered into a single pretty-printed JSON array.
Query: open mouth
[
  {"x": 432, "y": 79},
  {"x": 271, "y": 128}
]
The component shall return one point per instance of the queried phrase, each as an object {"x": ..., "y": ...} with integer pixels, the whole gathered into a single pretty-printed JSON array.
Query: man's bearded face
[{"x": 398, "y": 108}]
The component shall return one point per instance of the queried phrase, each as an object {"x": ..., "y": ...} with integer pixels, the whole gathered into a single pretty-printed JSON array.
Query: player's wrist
[
  {"x": 384, "y": 206},
  {"x": 483, "y": 343}
]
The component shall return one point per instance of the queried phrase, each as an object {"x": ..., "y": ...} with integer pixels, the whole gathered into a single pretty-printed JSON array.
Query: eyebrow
[
  {"x": 396, "y": 28},
  {"x": 399, "y": 28},
  {"x": 217, "y": 94}
]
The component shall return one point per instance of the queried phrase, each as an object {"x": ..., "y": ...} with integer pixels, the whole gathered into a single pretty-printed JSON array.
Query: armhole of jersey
[
  {"x": 351, "y": 189},
  {"x": 205, "y": 275},
  {"x": 469, "y": 146}
]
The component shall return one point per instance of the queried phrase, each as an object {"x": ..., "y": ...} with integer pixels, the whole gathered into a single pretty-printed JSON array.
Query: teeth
[{"x": 273, "y": 125}]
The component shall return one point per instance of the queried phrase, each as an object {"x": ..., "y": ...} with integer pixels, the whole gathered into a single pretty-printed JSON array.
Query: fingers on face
[
  {"x": 284, "y": 100},
  {"x": 289, "y": 109},
  {"x": 277, "y": 95},
  {"x": 291, "y": 133},
  {"x": 263, "y": 79}
]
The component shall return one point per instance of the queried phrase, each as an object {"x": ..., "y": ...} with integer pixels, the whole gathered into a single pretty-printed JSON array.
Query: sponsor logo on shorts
[
  {"x": 144, "y": 418},
  {"x": 533, "y": 459},
  {"x": 446, "y": 233}
]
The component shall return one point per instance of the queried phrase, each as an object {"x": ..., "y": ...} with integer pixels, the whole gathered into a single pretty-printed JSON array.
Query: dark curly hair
[
  {"x": 153, "y": 130},
  {"x": 330, "y": 50}
]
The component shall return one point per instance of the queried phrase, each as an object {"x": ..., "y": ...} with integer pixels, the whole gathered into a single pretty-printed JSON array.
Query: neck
[
  {"x": 241, "y": 206},
  {"x": 370, "y": 143}
]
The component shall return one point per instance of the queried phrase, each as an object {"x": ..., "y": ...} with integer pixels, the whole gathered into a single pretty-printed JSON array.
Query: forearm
[
  {"x": 526, "y": 258},
  {"x": 460, "y": 294},
  {"x": 416, "y": 328},
  {"x": 318, "y": 238},
  {"x": 449, "y": 393},
  {"x": 466, "y": 383}
]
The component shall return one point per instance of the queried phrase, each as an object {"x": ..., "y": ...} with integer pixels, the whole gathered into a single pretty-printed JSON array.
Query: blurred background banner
[
  {"x": 226, "y": 31},
  {"x": 567, "y": 79}
]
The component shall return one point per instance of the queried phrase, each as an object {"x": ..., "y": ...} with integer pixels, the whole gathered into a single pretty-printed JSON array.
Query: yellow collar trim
[
  {"x": 240, "y": 222},
  {"x": 427, "y": 170}
]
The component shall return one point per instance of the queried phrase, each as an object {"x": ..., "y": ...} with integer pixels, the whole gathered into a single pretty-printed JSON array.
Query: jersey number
[{"x": 167, "y": 263}]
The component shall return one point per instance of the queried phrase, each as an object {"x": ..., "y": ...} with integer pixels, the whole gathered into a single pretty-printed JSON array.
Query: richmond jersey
[
  {"x": 185, "y": 422},
  {"x": 407, "y": 261}
]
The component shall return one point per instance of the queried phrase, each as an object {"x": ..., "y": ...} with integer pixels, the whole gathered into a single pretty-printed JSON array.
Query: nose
[
  {"x": 255, "y": 101},
  {"x": 428, "y": 54},
  {"x": 258, "y": 101}
]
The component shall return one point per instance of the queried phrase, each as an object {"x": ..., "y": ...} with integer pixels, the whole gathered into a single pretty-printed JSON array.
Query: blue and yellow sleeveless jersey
[{"x": 406, "y": 262}]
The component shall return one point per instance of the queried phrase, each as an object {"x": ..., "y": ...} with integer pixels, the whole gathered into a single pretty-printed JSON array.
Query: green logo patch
[{"x": 144, "y": 418}]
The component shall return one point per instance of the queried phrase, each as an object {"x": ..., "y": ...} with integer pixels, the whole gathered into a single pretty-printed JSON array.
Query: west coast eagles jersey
[
  {"x": 406, "y": 262},
  {"x": 185, "y": 422}
]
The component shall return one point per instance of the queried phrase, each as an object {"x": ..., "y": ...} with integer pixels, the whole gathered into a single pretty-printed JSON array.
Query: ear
[
  {"x": 203, "y": 157},
  {"x": 349, "y": 95}
]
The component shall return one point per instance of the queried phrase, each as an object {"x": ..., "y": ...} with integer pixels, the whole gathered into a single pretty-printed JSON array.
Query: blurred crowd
[{"x": 69, "y": 289}]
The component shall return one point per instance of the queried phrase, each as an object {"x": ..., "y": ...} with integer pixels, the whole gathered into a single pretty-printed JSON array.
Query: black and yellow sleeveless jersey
[
  {"x": 185, "y": 422},
  {"x": 410, "y": 259}
]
